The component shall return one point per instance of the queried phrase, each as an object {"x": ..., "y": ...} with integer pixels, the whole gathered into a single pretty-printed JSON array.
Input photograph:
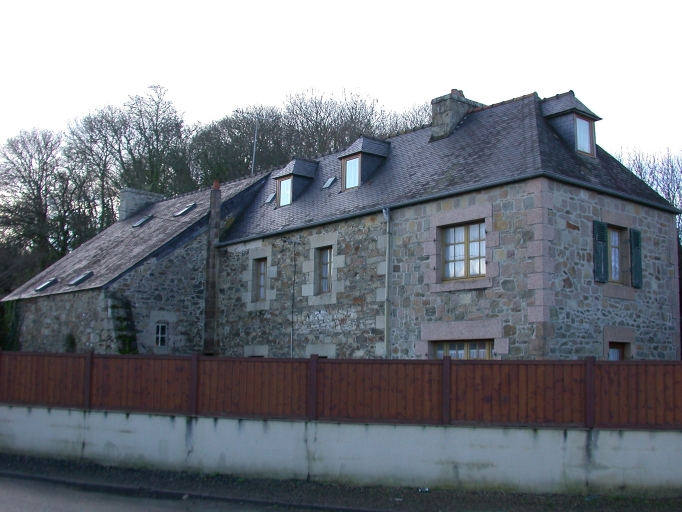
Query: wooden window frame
[
  {"x": 260, "y": 270},
  {"x": 279, "y": 191},
  {"x": 344, "y": 163},
  {"x": 467, "y": 256},
  {"x": 590, "y": 124},
  {"x": 322, "y": 266},
  {"x": 466, "y": 346},
  {"x": 161, "y": 334},
  {"x": 623, "y": 348}
]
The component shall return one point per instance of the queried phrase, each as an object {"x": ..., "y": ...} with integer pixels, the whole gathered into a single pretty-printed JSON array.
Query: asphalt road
[{"x": 31, "y": 496}]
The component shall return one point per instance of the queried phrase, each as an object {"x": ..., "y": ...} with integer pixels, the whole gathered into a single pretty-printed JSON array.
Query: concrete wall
[{"x": 527, "y": 460}]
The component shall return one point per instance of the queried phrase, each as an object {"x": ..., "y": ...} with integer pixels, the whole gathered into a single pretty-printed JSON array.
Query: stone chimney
[
  {"x": 212, "y": 268},
  {"x": 447, "y": 111},
  {"x": 133, "y": 200}
]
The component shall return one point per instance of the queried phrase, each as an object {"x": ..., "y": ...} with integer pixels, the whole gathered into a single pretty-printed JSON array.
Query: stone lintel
[{"x": 471, "y": 330}]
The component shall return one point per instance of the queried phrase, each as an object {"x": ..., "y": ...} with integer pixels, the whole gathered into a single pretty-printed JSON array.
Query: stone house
[{"x": 498, "y": 231}]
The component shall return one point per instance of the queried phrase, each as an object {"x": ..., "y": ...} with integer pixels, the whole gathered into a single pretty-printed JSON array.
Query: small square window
[
  {"x": 324, "y": 270},
  {"x": 463, "y": 251},
  {"x": 462, "y": 349},
  {"x": 284, "y": 191},
  {"x": 584, "y": 135},
  {"x": 259, "y": 275},
  {"x": 161, "y": 335},
  {"x": 619, "y": 351},
  {"x": 351, "y": 173}
]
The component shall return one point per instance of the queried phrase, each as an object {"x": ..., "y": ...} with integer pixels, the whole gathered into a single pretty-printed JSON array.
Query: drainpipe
[
  {"x": 211, "y": 283},
  {"x": 387, "y": 298}
]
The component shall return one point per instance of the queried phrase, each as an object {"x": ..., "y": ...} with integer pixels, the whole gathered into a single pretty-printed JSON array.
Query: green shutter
[
  {"x": 601, "y": 252},
  {"x": 636, "y": 257}
]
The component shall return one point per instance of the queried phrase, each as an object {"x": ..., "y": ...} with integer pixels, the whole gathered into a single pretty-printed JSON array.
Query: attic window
[
  {"x": 46, "y": 284},
  {"x": 350, "y": 172},
  {"x": 270, "y": 198},
  {"x": 81, "y": 278},
  {"x": 329, "y": 182},
  {"x": 143, "y": 221},
  {"x": 185, "y": 210},
  {"x": 284, "y": 191},
  {"x": 584, "y": 135}
]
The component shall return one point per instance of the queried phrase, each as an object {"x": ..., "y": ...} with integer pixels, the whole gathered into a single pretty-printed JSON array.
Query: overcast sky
[{"x": 64, "y": 59}]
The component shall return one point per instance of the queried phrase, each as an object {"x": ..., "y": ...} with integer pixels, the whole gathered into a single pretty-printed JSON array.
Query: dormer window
[
  {"x": 284, "y": 191},
  {"x": 350, "y": 172},
  {"x": 584, "y": 135}
]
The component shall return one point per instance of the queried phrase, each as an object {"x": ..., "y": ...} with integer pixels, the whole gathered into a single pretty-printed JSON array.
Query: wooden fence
[{"x": 588, "y": 394}]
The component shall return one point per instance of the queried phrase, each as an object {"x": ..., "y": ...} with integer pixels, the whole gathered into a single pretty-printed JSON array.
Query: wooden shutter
[
  {"x": 636, "y": 258},
  {"x": 601, "y": 252}
]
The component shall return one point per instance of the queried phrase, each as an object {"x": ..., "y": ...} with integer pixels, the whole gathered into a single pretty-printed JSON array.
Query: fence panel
[
  {"x": 522, "y": 393},
  {"x": 270, "y": 388},
  {"x": 54, "y": 380},
  {"x": 141, "y": 383},
  {"x": 401, "y": 391},
  {"x": 632, "y": 394},
  {"x": 638, "y": 394}
]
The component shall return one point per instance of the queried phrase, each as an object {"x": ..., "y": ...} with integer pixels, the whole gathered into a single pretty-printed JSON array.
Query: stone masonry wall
[
  {"x": 348, "y": 322},
  {"x": 586, "y": 315},
  {"x": 169, "y": 290},
  {"x": 46, "y": 322}
]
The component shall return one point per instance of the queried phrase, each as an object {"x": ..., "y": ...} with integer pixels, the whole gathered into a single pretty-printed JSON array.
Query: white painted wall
[{"x": 528, "y": 460}]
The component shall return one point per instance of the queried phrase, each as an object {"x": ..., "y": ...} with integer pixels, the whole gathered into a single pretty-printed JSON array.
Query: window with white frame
[
  {"x": 161, "y": 334},
  {"x": 351, "y": 173},
  {"x": 284, "y": 191},
  {"x": 584, "y": 135},
  {"x": 463, "y": 253}
]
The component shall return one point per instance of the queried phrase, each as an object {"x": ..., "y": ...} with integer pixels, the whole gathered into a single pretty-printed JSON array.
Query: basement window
[
  {"x": 143, "y": 221},
  {"x": 46, "y": 284},
  {"x": 81, "y": 278},
  {"x": 185, "y": 210},
  {"x": 478, "y": 349}
]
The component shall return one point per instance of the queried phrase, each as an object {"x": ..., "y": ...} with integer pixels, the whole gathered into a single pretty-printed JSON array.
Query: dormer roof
[
  {"x": 566, "y": 103},
  {"x": 364, "y": 144},
  {"x": 297, "y": 167}
]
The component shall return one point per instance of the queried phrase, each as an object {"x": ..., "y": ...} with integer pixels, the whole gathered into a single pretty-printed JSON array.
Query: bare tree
[{"x": 663, "y": 173}]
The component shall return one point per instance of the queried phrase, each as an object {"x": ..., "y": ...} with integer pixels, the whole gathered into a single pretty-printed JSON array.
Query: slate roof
[
  {"x": 121, "y": 247},
  {"x": 368, "y": 145},
  {"x": 492, "y": 145},
  {"x": 299, "y": 167},
  {"x": 563, "y": 103}
]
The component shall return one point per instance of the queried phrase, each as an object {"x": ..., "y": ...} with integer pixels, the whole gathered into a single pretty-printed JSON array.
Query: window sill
[
  {"x": 463, "y": 284},
  {"x": 618, "y": 291}
]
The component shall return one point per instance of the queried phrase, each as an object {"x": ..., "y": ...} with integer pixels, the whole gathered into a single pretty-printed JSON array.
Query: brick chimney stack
[{"x": 447, "y": 112}]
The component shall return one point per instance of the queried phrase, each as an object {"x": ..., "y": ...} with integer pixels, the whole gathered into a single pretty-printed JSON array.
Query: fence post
[
  {"x": 445, "y": 382},
  {"x": 589, "y": 392},
  {"x": 87, "y": 385},
  {"x": 312, "y": 388},
  {"x": 193, "y": 383}
]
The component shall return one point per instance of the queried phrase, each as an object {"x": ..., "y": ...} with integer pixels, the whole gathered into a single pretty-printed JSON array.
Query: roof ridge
[
  {"x": 560, "y": 95},
  {"x": 518, "y": 98}
]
